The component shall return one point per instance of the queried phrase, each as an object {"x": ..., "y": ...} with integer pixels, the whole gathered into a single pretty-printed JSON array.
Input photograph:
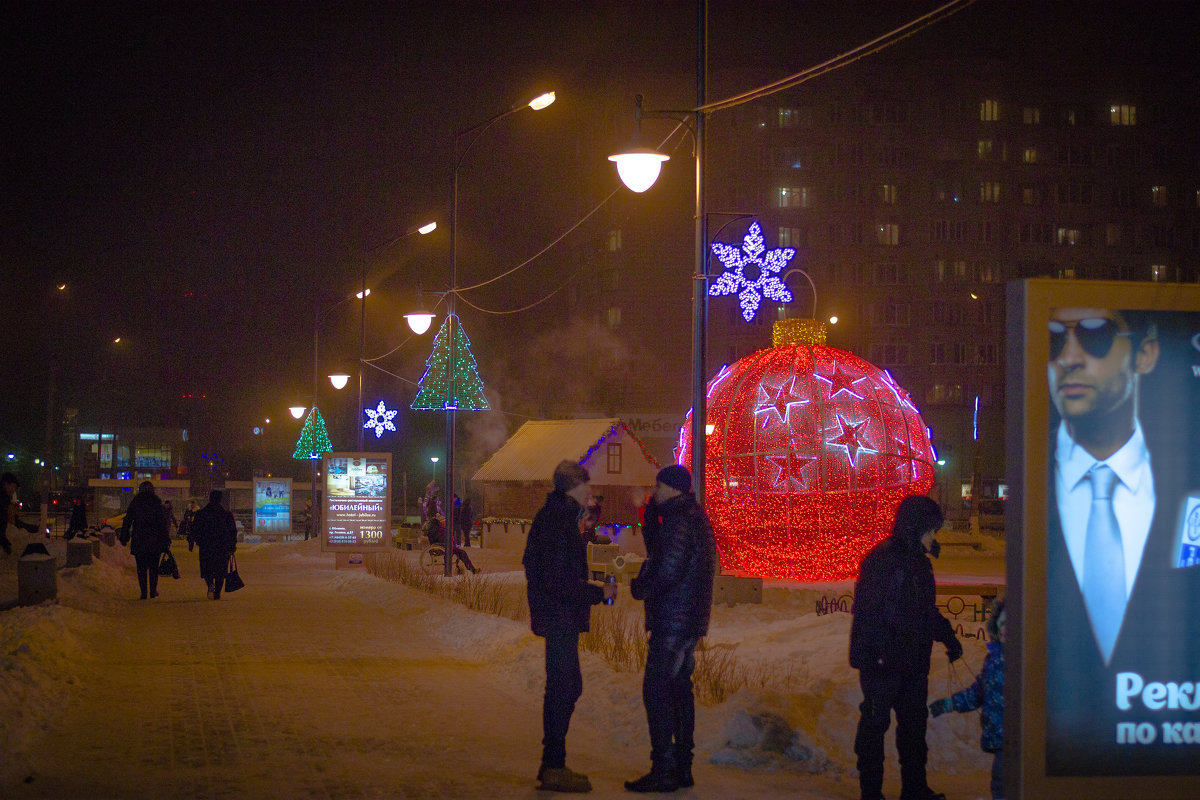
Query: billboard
[
  {"x": 358, "y": 502},
  {"x": 273, "y": 506},
  {"x": 1103, "y": 684}
]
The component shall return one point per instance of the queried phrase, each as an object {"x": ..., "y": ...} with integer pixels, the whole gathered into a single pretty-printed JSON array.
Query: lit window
[
  {"x": 1031, "y": 195},
  {"x": 1031, "y": 115},
  {"x": 1123, "y": 115},
  {"x": 1158, "y": 195},
  {"x": 1067, "y": 236},
  {"x": 795, "y": 196},
  {"x": 887, "y": 194},
  {"x": 614, "y": 458},
  {"x": 788, "y": 118},
  {"x": 614, "y": 240},
  {"x": 989, "y": 110},
  {"x": 793, "y": 237},
  {"x": 989, "y": 191},
  {"x": 1158, "y": 272},
  {"x": 613, "y": 316},
  {"x": 1030, "y": 155},
  {"x": 985, "y": 149},
  {"x": 887, "y": 234}
]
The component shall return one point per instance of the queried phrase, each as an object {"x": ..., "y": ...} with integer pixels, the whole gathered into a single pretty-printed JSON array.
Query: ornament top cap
[{"x": 797, "y": 331}]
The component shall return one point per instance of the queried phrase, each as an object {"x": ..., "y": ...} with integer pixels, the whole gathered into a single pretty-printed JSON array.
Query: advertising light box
[
  {"x": 358, "y": 502},
  {"x": 1103, "y": 652},
  {"x": 273, "y": 506}
]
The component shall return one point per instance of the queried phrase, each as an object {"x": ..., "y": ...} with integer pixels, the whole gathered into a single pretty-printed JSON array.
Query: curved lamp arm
[{"x": 810, "y": 283}]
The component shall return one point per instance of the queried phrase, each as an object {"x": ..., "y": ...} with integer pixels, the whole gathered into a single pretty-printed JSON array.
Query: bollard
[
  {"x": 36, "y": 579},
  {"x": 95, "y": 547},
  {"x": 79, "y": 553}
]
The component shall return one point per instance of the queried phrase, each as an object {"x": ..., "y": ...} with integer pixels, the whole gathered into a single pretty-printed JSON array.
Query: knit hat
[{"x": 677, "y": 477}]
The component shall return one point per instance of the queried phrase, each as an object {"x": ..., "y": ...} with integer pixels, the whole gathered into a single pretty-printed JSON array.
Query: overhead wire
[{"x": 837, "y": 62}]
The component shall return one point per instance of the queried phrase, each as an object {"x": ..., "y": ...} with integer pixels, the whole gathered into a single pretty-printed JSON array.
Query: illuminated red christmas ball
[{"x": 810, "y": 451}]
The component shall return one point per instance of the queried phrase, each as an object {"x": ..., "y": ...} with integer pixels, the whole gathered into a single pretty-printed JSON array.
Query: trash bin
[{"x": 37, "y": 581}]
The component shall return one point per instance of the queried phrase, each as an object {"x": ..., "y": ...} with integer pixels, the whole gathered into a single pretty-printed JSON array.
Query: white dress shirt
[{"x": 1133, "y": 497}]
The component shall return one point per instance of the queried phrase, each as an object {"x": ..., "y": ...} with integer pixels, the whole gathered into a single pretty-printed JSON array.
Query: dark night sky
[{"x": 203, "y": 175}]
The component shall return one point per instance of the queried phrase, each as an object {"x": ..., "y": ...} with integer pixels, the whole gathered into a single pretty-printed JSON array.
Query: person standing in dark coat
[
  {"x": 215, "y": 533},
  {"x": 895, "y": 624},
  {"x": 676, "y": 583},
  {"x": 560, "y": 608},
  {"x": 78, "y": 522},
  {"x": 145, "y": 531}
]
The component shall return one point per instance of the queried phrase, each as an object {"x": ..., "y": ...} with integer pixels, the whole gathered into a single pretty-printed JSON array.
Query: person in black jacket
[
  {"x": 145, "y": 531},
  {"x": 676, "y": 583},
  {"x": 560, "y": 601},
  {"x": 895, "y": 624},
  {"x": 215, "y": 533}
]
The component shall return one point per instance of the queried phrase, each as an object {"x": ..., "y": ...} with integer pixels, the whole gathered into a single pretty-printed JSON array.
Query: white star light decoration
[
  {"x": 754, "y": 254},
  {"x": 380, "y": 419}
]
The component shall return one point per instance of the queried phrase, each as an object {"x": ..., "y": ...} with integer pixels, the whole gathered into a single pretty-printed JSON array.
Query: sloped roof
[{"x": 536, "y": 448}]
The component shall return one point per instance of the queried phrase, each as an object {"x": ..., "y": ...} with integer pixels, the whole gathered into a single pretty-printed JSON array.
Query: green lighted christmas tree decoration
[
  {"x": 434, "y": 391},
  {"x": 314, "y": 439}
]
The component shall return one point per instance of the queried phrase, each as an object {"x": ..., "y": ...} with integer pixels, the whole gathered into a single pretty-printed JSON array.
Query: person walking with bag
[
  {"x": 215, "y": 533},
  {"x": 896, "y": 622},
  {"x": 145, "y": 531},
  {"x": 676, "y": 583}
]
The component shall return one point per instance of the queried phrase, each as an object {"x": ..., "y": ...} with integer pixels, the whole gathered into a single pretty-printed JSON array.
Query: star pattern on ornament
[
  {"x": 841, "y": 381},
  {"x": 752, "y": 254},
  {"x": 789, "y": 475},
  {"x": 903, "y": 397},
  {"x": 379, "y": 418},
  {"x": 850, "y": 438},
  {"x": 780, "y": 402}
]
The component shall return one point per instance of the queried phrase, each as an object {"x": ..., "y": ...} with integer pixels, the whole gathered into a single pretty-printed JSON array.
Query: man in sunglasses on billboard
[{"x": 1114, "y": 600}]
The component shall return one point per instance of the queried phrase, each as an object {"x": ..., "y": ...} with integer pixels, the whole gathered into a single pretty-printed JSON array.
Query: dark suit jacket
[{"x": 1159, "y": 640}]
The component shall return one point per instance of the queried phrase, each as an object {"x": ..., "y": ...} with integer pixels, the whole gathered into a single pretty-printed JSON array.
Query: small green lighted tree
[
  {"x": 314, "y": 439},
  {"x": 434, "y": 386}
]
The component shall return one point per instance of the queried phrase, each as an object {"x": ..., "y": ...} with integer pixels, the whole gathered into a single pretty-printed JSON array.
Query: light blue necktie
[{"x": 1104, "y": 563}]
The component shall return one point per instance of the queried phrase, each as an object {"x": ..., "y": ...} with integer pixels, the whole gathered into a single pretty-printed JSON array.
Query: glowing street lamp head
[
  {"x": 419, "y": 321},
  {"x": 297, "y": 411},
  {"x": 339, "y": 380},
  {"x": 639, "y": 167},
  {"x": 427, "y": 228},
  {"x": 363, "y": 294},
  {"x": 541, "y": 101}
]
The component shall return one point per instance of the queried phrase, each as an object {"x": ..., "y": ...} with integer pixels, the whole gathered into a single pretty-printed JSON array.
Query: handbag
[
  {"x": 233, "y": 581},
  {"x": 167, "y": 565}
]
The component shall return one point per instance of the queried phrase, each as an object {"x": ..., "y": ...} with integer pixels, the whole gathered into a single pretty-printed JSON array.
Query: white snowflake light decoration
[
  {"x": 380, "y": 419},
  {"x": 753, "y": 254}
]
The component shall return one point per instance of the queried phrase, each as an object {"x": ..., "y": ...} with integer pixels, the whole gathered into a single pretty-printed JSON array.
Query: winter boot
[
  {"x": 683, "y": 776},
  {"x": 561, "y": 779},
  {"x": 662, "y": 777}
]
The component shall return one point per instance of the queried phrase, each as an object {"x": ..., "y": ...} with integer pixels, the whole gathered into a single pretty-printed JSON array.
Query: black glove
[
  {"x": 939, "y": 707},
  {"x": 954, "y": 650}
]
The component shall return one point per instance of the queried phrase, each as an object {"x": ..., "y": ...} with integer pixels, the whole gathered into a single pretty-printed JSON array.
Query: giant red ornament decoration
[{"x": 810, "y": 451}]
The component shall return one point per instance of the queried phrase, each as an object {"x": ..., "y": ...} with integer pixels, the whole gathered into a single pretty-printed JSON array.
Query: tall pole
[
  {"x": 313, "y": 493},
  {"x": 700, "y": 278},
  {"x": 451, "y": 395},
  {"x": 362, "y": 346}
]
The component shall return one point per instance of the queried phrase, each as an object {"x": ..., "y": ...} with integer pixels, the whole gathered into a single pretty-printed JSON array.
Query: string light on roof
[{"x": 812, "y": 450}]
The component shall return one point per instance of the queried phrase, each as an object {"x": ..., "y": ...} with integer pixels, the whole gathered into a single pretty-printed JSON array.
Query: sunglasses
[{"x": 1094, "y": 334}]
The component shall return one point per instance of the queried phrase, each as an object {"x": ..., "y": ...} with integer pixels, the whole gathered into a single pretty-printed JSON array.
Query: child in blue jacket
[{"x": 987, "y": 691}]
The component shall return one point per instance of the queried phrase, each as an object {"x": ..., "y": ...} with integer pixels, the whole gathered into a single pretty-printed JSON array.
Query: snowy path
[{"x": 299, "y": 687}]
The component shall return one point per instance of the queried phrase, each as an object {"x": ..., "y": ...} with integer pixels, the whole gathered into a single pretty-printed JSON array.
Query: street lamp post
[
  {"x": 362, "y": 295},
  {"x": 652, "y": 163},
  {"x": 451, "y": 406}
]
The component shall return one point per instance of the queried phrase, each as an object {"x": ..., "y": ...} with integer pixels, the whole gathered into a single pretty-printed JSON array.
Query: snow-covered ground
[{"x": 67, "y": 664}]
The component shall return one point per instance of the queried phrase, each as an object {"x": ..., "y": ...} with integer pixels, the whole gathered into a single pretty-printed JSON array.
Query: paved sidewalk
[{"x": 293, "y": 689}]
